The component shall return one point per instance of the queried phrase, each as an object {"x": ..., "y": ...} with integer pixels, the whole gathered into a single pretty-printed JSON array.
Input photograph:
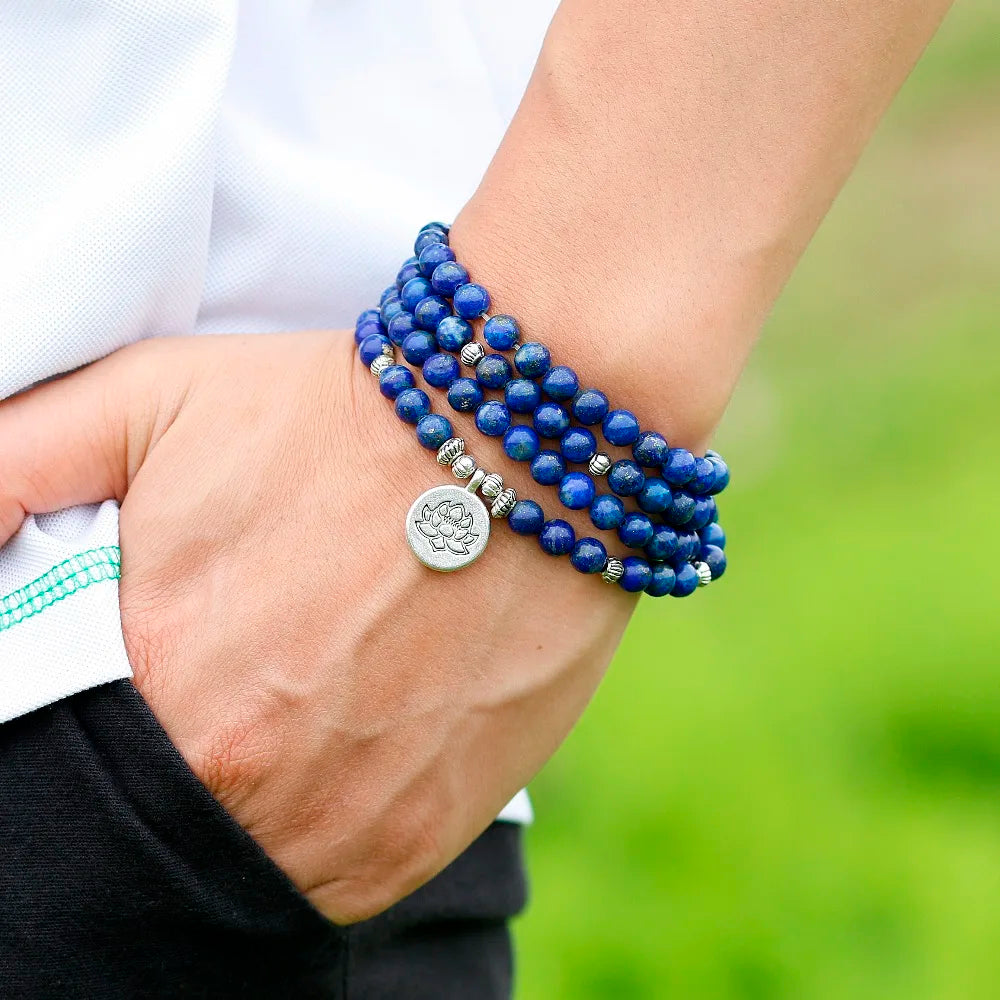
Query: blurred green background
[{"x": 790, "y": 785}]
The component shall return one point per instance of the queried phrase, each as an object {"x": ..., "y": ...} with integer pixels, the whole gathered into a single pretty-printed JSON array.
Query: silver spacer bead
[
  {"x": 614, "y": 570},
  {"x": 704, "y": 573},
  {"x": 389, "y": 351},
  {"x": 379, "y": 365},
  {"x": 504, "y": 503},
  {"x": 492, "y": 486},
  {"x": 463, "y": 466},
  {"x": 472, "y": 353},
  {"x": 599, "y": 464},
  {"x": 450, "y": 450},
  {"x": 476, "y": 481}
]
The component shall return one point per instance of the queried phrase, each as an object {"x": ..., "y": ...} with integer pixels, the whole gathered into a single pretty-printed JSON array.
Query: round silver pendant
[{"x": 447, "y": 527}]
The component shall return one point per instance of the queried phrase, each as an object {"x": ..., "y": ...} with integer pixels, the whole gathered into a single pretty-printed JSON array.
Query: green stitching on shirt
[{"x": 68, "y": 577}]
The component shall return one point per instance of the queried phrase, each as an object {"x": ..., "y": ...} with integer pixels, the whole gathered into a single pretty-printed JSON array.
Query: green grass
[{"x": 790, "y": 786}]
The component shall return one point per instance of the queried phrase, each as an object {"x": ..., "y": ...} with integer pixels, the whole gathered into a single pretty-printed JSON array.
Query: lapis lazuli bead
[
  {"x": 526, "y": 518},
  {"x": 413, "y": 291},
  {"x": 441, "y": 227},
  {"x": 712, "y": 534},
  {"x": 557, "y": 537},
  {"x": 371, "y": 347},
  {"x": 681, "y": 510},
  {"x": 620, "y": 427},
  {"x": 590, "y": 407},
  {"x": 703, "y": 479},
  {"x": 560, "y": 383},
  {"x": 493, "y": 372},
  {"x": 465, "y": 395},
  {"x": 394, "y": 380},
  {"x": 551, "y": 420},
  {"x": 410, "y": 269},
  {"x": 448, "y": 276},
  {"x": 588, "y": 556},
  {"x": 453, "y": 333},
  {"x": 433, "y": 430},
  {"x": 576, "y": 490},
  {"x": 418, "y": 347},
  {"x": 655, "y": 496},
  {"x": 521, "y": 443},
  {"x": 679, "y": 467},
  {"x": 663, "y": 544},
  {"x": 650, "y": 449},
  {"x": 663, "y": 580},
  {"x": 522, "y": 395},
  {"x": 702, "y": 514},
  {"x": 501, "y": 332},
  {"x": 440, "y": 370},
  {"x": 635, "y": 531},
  {"x": 368, "y": 316},
  {"x": 412, "y": 404},
  {"x": 471, "y": 300},
  {"x": 688, "y": 546},
  {"x": 493, "y": 418},
  {"x": 626, "y": 478},
  {"x": 387, "y": 293},
  {"x": 532, "y": 360},
  {"x": 367, "y": 328},
  {"x": 721, "y": 473},
  {"x": 716, "y": 560},
  {"x": 686, "y": 580},
  {"x": 607, "y": 512},
  {"x": 578, "y": 444},
  {"x": 391, "y": 308},
  {"x": 638, "y": 574},
  {"x": 400, "y": 327},
  {"x": 427, "y": 237},
  {"x": 430, "y": 311},
  {"x": 432, "y": 256},
  {"x": 548, "y": 468}
]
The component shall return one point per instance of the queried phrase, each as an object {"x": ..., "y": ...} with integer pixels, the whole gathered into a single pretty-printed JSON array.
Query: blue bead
[
  {"x": 433, "y": 430},
  {"x": 521, "y": 443},
  {"x": 703, "y": 479},
  {"x": 532, "y": 360},
  {"x": 428, "y": 237},
  {"x": 686, "y": 581},
  {"x": 418, "y": 347},
  {"x": 607, "y": 512},
  {"x": 447, "y": 277},
  {"x": 471, "y": 300},
  {"x": 578, "y": 444},
  {"x": 368, "y": 316},
  {"x": 716, "y": 560},
  {"x": 501, "y": 332},
  {"x": 650, "y": 449},
  {"x": 663, "y": 544},
  {"x": 413, "y": 291},
  {"x": 635, "y": 531},
  {"x": 655, "y": 496},
  {"x": 493, "y": 372},
  {"x": 366, "y": 329},
  {"x": 433, "y": 255},
  {"x": 576, "y": 490},
  {"x": 620, "y": 427},
  {"x": 465, "y": 395},
  {"x": 394, "y": 380},
  {"x": 702, "y": 514},
  {"x": 522, "y": 395},
  {"x": 680, "y": 511},
  {"x": 557, "y": 537},
  {"x": 588, "y": 556},
  {"x": 679, "y": 467},
  {"x": 371, "y": 347},
  {"x": 550, "y": 419},
  {"x": 712, "y": 534},
  {"x": 409, "y": 270},
  {"x": 663, "y": 580},
  {"x": 626, "y": 478},
  {"x": 548, "y": 468},
  {"x": 387, "y": 293},
  {"x": 430, "y": 311},
  {"x": 638, "y": 574},
  {"x": 412, "y": 404},
  {"x": 590, "y": 407},
  {"x": 560, "y": 383},
  {"x": 440, "y": 370},
  {"x": 493, "y": 418},
  {"x": 441, "y": 227},
  {"x": 526, "y": 518},
  {"x": 453, "y": 333},
  {"x": 721, "y": 474},
  {"x": 688, "y": 546},
  {"x": 400, "y": 327},
  {"x": 390, "y": 308}
]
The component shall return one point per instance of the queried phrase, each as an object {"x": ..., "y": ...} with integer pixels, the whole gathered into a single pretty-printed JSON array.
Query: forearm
[{"x": 668, "y": 165}]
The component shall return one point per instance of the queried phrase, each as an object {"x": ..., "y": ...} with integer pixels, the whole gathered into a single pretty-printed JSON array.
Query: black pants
[{"x": 122, "y": 877}]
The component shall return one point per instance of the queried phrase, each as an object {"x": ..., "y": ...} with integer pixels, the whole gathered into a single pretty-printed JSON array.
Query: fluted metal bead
[
  {"x": 450, "y": 450},
  {"x": 504, "y": 503},
  {"x": 380, "y": 364},
  {"x": 599, "y": 464},
  {"x": 476, "y": 481},
  {"x": 704, "y": 572},
  {"x": 472, "y": 353},
  {"x": 614, "y": 570},
  {"x": 463, "y": 466},
  {"x": 492, "y": 486}
]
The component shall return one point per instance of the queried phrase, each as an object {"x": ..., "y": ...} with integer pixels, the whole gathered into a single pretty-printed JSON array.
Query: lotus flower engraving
[{"x": 447, "y": 525}]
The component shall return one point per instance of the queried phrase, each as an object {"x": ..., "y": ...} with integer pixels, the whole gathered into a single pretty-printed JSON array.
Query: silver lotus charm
[{"x": 447, "y": 527}]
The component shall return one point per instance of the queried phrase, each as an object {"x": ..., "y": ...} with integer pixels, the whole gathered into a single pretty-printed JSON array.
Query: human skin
[{"x": 362, "y": 717}]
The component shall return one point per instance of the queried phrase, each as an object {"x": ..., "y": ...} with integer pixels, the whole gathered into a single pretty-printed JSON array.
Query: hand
[{"x": 361, "y": 716}]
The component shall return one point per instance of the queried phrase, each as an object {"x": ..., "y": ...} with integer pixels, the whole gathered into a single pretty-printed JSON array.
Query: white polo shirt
[{"x": 212, "y": 166}]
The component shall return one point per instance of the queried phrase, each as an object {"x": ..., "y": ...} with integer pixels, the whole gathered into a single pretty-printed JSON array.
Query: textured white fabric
[{"x": 179, "y": 166}]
